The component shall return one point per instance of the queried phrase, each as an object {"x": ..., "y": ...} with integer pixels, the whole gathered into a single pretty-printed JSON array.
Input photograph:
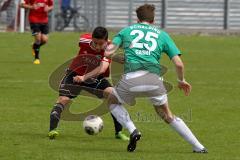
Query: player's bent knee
[
  {"x": 63, "y": 100},
  {"x": 44, "y": 39},
  {"x": 37, "y": 37},
  {"x": 159, "y": 100},
  {"x": 107, "y": 92}
]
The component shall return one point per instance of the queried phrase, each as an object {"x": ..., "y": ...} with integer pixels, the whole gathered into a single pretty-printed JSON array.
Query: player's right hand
[
  {"x": 46, "y": 8},
  {"x": 185, "y": 86},
  {"x": 78, "y": 79}
]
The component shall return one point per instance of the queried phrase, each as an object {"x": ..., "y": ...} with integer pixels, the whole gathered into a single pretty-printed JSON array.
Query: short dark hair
[
  {"x": 100, "y": 33},
  {"x": 146, "y": 13}
]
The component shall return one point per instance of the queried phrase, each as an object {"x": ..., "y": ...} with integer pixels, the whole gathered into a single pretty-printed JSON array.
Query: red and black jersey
[
  {"x": 88, "y": 58},
  {"x": 38, "y": 15}
]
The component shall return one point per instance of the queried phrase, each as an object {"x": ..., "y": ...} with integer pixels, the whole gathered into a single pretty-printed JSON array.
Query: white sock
[
  {"x": 122, "y": 116},
  {"x": 182, "y": 129}
]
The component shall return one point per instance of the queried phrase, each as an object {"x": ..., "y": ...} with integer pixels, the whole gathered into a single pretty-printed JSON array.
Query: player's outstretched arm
[
  {"x": 182, "y": 83},
  {"x": 111, "y": 50},
  {"x": 28, "y": 6},
  {"x": 102, "y": 68}
]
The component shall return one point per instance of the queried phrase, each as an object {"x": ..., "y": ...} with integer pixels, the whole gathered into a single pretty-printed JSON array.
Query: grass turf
[{"x": 212, "y": 110}]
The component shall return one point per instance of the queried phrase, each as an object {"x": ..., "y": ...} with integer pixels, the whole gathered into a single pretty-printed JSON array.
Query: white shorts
[{"x": 140, "y": 84}]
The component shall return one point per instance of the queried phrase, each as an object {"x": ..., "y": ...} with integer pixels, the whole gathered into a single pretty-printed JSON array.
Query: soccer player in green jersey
[{"x": 143, "y": 45}]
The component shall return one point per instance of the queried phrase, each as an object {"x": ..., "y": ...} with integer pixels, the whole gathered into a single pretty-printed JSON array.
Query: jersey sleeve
[
  {"x": 169, "y": 46},
  {"x": 26, "y": 1},
  {"x": 50, "y": 2},
  {"x": 85, "y": 39}
]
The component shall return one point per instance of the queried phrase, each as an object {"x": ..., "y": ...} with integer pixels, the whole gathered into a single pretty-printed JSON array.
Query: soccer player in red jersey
[
  {"x": 89, "y": 66},
  {"x": 38, "y": 19}
]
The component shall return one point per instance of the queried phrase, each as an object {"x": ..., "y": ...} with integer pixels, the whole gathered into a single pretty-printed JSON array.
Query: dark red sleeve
[
  {"x": 50, "y": 2},
  {"x": 85, "y": 39}
]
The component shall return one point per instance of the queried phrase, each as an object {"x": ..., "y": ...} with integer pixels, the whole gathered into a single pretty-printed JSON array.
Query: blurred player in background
[
  {"x": 143, "y": 46},
  {"x": 90, "y": 66},
  {"x": 38, "y": 19}
]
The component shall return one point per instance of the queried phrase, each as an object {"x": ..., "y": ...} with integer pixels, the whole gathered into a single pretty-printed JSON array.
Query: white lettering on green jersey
[{"x": 143, "y": 46}]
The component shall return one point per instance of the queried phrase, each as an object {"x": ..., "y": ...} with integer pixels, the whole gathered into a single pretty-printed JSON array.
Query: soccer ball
[{"x": 93, "y": 124}]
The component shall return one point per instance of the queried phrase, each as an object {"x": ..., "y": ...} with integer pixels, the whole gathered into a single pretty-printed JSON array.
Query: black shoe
[
  {"x": 204, "y": 150},
  {"x": 134, "y": 137}
]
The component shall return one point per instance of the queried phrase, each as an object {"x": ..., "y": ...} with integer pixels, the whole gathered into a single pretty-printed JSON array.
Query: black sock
[
  {"x": 36, "y": 48},
  {"x": 42, "y": 43},
  {"x": 117, "y": 125},
  {"x": 55, "y": 115}
]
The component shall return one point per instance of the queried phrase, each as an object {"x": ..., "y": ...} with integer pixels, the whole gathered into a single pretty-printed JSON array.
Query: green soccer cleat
[
  {"x": 121, "y": 136},
  {"x": 53, "y": 134}
]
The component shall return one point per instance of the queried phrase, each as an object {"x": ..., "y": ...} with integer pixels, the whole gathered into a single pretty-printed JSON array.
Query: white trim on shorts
[{"x": 135, "y": 74}]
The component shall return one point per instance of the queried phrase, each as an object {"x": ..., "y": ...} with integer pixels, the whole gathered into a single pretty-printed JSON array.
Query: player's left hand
[
  {"x": 47, "y": 8},
  {"x": 185, "y": 86},
  {"x": 78, "y": 79}
]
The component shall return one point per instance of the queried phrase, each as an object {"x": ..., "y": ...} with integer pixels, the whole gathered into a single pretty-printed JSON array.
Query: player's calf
[
  {"x": 36, "y": 49},
  {"x": 44, "y": 39},
  {"x": 164, "y": 112},
  {"x": 180, "y": 127},
  {"x": 64, "y": 100},
  {"x": 55, "y": 116}
]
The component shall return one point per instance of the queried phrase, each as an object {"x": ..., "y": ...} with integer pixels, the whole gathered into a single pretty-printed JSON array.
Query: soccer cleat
[
  {"x": 204, "y": 150},
  {"x": 53, "y": 134},
  {"x": 134, "y": 137},
  {"x": 122, "y": 136},
  {"x": 36, "y": 61}
]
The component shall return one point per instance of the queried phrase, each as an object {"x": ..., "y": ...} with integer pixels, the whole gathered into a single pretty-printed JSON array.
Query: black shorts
[
  {"x": 72, "y": 89},
  {"x": 39, "y": 28}
]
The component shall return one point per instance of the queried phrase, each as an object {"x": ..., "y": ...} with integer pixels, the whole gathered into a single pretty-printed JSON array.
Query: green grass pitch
[{"x": 211, "y": 111}]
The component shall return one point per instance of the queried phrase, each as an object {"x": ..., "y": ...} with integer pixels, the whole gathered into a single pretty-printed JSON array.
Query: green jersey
[{"x": 143, "y": 46}]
